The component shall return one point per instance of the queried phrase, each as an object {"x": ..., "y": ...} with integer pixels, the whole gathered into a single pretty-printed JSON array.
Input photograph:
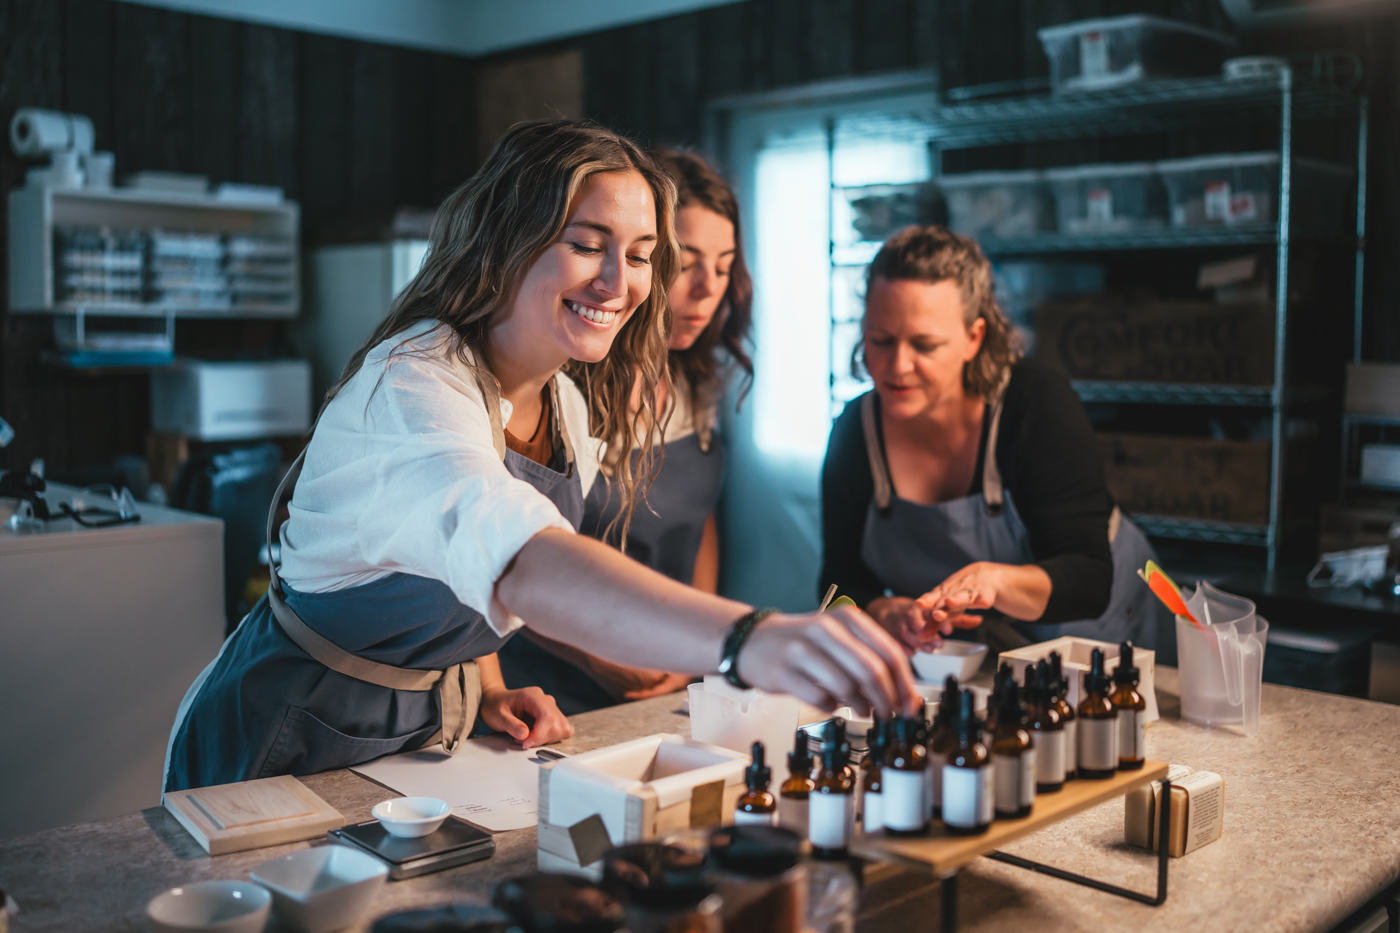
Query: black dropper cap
[
  {"x": 878, "y": 739},
  {"x": 800, "y": 758},
  {"x": 1012, "y": 705},
  {"x": 551, "y": 903},
  {"x": 757, "y": 851},
  {"x": 948, "y": 703},
  {"x": 654, "y": 875},
  {"x": 836, "y": 751},
  {"x": 1057, "y": 675},
  {"x": 967, "y": 726},
  {"x": 906, "y": 729},
  {"x": 1097, "y": 681},
  {"x": 1044, "y": 683},
  {"x": 1126, "y": 674},
  {"x": 455, "y": 918},
  {"x": 758, "y": 774}
]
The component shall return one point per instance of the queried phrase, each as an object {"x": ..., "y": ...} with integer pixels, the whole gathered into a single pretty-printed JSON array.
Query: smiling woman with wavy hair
[{"x": 433, "y": 513}]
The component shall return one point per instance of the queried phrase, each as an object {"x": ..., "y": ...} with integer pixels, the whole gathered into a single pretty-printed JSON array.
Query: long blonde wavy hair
[{"x": 487, "y": 235}]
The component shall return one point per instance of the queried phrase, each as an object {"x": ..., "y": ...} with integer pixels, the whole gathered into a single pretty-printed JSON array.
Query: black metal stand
[{"x": 949, "y": 898}]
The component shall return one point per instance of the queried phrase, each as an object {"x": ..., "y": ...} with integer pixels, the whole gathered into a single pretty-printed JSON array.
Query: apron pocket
[{"x": 306, "y": 745}]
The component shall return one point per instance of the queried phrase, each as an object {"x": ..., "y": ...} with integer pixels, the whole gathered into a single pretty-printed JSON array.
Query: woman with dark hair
[
  {"x": 434, "y": 511},
  {"x": 673, "y": 529},
  {"x": 965, "y": 489}
]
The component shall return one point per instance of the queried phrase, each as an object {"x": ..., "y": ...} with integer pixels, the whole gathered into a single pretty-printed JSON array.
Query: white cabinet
[{"x": 101, "y": 632}]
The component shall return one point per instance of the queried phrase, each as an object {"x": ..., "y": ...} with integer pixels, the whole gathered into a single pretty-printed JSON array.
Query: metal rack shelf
[
  {"x": 1167, "y": 238},
  {"x": 1194, "y": 529},
  {"x": 1149, "y": 107},
  {"x": 1362, "y": 418},
  {"x": 1176, "y": 393}
]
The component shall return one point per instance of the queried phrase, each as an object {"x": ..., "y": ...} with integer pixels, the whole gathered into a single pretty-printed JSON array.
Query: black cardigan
[{"x": 1049, "y": 462}]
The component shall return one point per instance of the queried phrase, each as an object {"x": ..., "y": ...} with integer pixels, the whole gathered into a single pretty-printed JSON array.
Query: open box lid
[{"x": 667, "y": 766}]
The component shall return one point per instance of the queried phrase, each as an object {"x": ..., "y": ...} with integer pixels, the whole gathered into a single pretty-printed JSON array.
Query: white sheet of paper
[{"x": 491, "y": 782}]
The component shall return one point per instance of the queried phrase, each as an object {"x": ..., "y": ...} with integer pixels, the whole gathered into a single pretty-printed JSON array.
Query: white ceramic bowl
[
  {"x": 322, "y": 889},
  {"x": 411, "y": 816},
  {"x": 210, "y": 907},
  {"x": 959, "y": 658}
]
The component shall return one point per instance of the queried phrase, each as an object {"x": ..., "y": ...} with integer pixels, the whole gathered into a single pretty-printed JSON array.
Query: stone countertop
[{"x": 1312, "y": 830}]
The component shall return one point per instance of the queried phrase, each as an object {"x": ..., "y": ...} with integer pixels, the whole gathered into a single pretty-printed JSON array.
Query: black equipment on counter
[{"x": 455, "y": 843}]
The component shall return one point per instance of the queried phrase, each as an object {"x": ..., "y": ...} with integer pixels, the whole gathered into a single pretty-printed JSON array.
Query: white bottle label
[
  {"x": 829, "y": 819},
  {"x": 1218, "y": 201},
  {"x": 968, "y": 797},
  {"x": 1098, "y": 744},
  {"x": 1049, "y": 756},
  {"x": 1132, "y": 734},
  {"x": 1071, "y": 747},
  {"x": 1026, "y": 784},
  {"x": 871, "y": 805},
  {"x": 744, "y": 818},
  {"x": 903, "y": 806},
  {"x": 1007, "y": 770},
  {"x": 792, "y": 814},
  {"x": 933, "y": 785},
  {"x": 1099, "y": 205},
  {"x": 1093, "y": 54}
]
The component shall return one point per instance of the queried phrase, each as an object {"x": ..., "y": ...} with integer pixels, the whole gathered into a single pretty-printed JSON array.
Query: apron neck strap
[
  {"x": 879, "y": 469},
  {"x": 562, "y": 429},
  {"x": 290, "y": 477},
  {"x": 992, "y": 491},
  {"x": 491, "y": 397}
]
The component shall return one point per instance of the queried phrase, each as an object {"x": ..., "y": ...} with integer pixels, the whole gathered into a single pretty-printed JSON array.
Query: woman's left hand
[
  {"x": 976, "y": 586},
  {"x": 529, "y": 715}
]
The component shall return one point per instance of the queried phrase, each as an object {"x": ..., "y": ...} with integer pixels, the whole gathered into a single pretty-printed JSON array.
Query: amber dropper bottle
[
  {"x": 1131, "y": 710},
  {"x": 793, "y": 794},
  {"x": 758, "y": 806},
  {"x": 1059, "y": 693},
  {"x": 905, "y": 806},
  {"x": 871, "y": 783},
  {"x": 1098, "y": 725},
  {"x": 831, "y": 814},
  {"x": 967, "y": 776},
  {"x": 1047, "y": 731},
  {"x": 940, "y": 742},
  {"x": 1013, "y": 755}
]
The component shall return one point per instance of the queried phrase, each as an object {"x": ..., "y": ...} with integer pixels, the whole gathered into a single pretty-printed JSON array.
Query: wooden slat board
[
  {"x": 941, "y": 853},
  {"x": 252, "y": 814}
]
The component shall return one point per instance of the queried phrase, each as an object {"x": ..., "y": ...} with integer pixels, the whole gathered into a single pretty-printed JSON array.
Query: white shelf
[{"x": 36, "y": 210}]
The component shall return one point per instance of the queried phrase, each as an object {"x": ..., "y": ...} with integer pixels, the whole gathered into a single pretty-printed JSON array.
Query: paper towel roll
[{"x": 34, "y": 132}]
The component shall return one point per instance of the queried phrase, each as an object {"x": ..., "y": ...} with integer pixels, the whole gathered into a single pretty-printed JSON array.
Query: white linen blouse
[{"x": 401, "y": 476}]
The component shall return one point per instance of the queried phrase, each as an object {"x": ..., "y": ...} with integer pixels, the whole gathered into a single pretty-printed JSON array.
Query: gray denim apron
[
  {"x": 913, "y": 547},
  {"x": 310, "y": 682}
]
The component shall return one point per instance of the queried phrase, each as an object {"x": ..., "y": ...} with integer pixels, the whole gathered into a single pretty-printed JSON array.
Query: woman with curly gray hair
[{"x": 965, "y": 490}]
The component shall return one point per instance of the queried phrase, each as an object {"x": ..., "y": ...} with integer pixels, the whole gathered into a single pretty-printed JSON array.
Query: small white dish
[
  {"x": 322, "y": 889},
  {"x": 411, "y": 816},
  {"x": 959, "y": 658},
  {"x": 210, "y": 907}
]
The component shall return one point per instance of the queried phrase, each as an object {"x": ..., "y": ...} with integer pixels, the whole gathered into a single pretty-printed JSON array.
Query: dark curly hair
[
  {"x": 935, "y": 254},
  {"x": 700, "y": 185}
]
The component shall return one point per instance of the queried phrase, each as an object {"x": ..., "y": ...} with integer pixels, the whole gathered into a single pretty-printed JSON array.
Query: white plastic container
[
  {"x": 723, "y": 715},
  {"x": 1242, "y": 189},
  {"x": 1100, "y": 53},
  {"x": 232, "y": 401},
  {"x": 1380, "y": 465},
  {"x": 1109, "y": 197},
  {"x": 998, "y": 204},
  {"x": 1222, "y": 661}
]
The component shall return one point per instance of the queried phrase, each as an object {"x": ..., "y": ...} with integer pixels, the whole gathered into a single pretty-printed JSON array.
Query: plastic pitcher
[
  {"x": 723, "y": 715},
  {"x": 1222, "y": 660}
]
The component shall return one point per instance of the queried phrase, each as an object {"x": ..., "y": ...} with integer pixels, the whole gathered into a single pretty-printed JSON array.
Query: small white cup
[
  {"x": 210, "y": 907},
  {"x": 959, "y": 658},
  {"x": 411, "y": 816}
]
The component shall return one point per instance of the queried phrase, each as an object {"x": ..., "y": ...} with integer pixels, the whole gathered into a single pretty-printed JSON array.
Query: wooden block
[
  {"x": 252, "y": 814},
  {"x": 942, "y": 853}
]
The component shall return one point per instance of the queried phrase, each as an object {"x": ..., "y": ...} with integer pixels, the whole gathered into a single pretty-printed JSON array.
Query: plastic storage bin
[
  {"x": 1241, "y": 189},
  {"x": 1111, "y": 197},
  {"x": 998, "y": 204},
  {"x": 1100, "y": 53},
  {"x": 880, "y": 211}
]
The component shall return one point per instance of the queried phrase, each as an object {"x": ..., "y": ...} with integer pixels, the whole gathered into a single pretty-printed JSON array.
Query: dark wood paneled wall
[{"x": 347, "y": 128}]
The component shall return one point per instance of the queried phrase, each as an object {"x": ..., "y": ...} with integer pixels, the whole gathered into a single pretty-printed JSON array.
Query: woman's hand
[
  {"x": 529, "y": 715},
  {"x": 1021, "y": 592},
  {"x": 840, "y": 658},
  {"x": 911, "y": 625}
]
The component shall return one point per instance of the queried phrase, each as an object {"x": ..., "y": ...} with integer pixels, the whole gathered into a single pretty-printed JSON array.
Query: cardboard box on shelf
[
  {"x": 1188, "y": 477},
  {"x": 1363, "y": 523},
  {"x": 1113, "y": 337},
  {"x": 1373, "y": 389},
  {"x": 632, "y": 792}
]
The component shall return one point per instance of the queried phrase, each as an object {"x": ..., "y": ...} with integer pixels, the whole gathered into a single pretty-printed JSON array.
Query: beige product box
[
  {"x": 632, "y": 792},
  {"x": 1074, "y": 661},
  {"x": 1373, "y": 389},
  {"x": 1197, "y": 817}
]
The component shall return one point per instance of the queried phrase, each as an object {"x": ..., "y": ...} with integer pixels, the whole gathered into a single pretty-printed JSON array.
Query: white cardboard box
[
  {"x": 1074, "y": 661},
  {"x": 632, "y": 792},
  {"x": 232, "y": 401}
]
